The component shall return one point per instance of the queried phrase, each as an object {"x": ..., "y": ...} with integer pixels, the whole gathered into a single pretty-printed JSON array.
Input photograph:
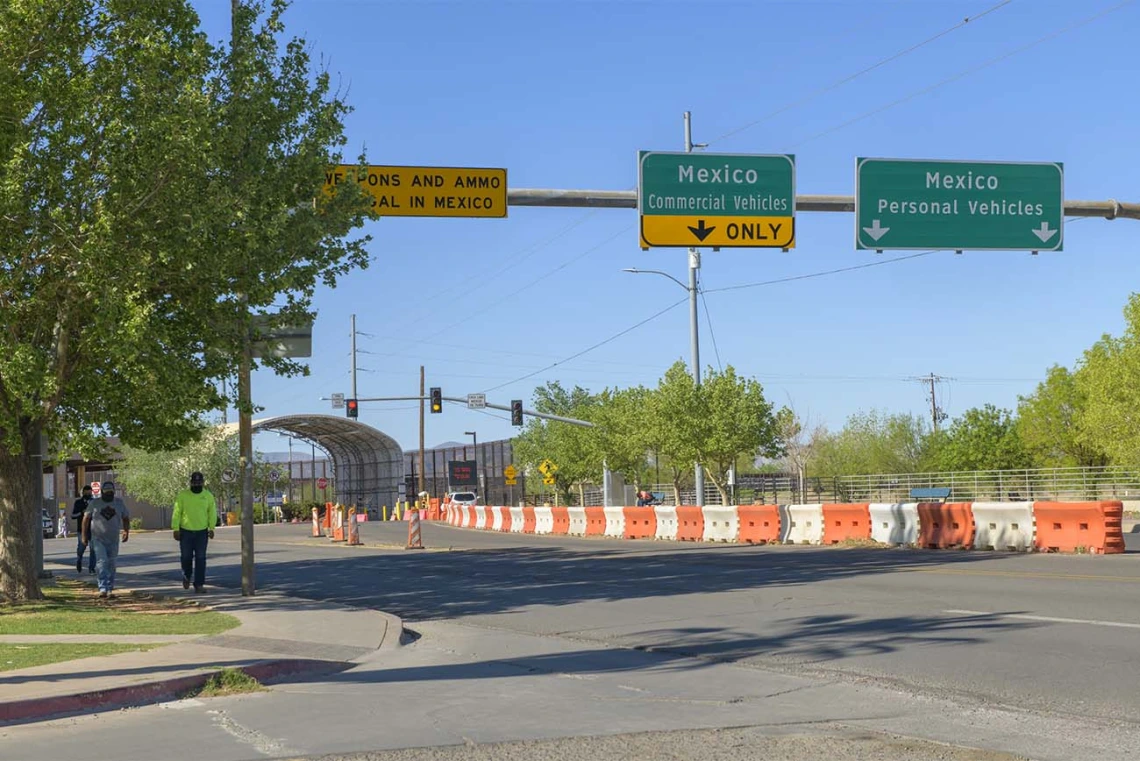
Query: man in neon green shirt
[{"x": 195, "y": 516}]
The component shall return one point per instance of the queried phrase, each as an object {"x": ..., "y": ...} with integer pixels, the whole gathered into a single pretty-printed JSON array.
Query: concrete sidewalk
[{"x": 279, "y": 638}]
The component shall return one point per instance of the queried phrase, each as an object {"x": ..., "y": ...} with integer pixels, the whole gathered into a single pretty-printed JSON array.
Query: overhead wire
[
  {"x": 712, "y": 334},
  {"x": 878, "y": 64},
  {"x": 966, "y": 72}
]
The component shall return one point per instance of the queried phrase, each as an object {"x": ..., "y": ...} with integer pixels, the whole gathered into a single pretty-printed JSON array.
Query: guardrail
[{"x": 1052, "y": 484}]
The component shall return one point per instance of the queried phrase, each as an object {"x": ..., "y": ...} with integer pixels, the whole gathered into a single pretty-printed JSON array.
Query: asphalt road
[{"x": 531, "y": 638}]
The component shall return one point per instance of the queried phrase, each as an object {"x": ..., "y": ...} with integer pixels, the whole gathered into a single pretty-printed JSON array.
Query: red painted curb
[{"x": 158, "y": 691}]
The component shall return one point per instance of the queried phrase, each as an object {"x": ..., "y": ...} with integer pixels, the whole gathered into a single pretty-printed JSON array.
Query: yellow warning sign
[
  {"x": 427, "y": 191},
  {"x": 714, "y": 232}
]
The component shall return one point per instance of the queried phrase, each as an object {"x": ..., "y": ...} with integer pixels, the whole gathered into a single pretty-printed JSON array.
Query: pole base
[{"x": 410, "y": 547}]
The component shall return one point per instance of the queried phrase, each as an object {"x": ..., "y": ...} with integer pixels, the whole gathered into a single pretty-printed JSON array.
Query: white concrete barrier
[
  {"x": 666, "y": 522},
  {"x": 615, "y": 522},
  {"x": 577, "y": 521},
  {"x": 722, "y": 524},
  {"x": 1004, "y": 526},
  {"x": 543, "y": 520},
  {"x": 516, "y": 520},
  {"x": 894, "y": 523},
  {"x": 801, "y": 524}
]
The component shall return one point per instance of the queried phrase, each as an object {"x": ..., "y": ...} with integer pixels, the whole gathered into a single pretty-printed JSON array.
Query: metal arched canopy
[{"x": 368, "y": 465}]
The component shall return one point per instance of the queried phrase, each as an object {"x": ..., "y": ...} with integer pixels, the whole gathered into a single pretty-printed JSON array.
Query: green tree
[
  {"x": 676, "y": 423},
  {"x": 156, "y": 477},
  {"x": 154, "y": 191},
  {"x": 573, "y": 449},
  {"x": 1050, "y": 423},
  {"x": 737, "y": 420},
  {"x": 623, "y": 437},
  {"x": 982, "y": 438},
  {"x": 1109, "y": 380},
  {"x": 872, "y": 442}
]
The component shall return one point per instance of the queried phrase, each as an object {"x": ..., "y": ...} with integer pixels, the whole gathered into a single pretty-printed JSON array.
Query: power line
[
  {"x": 499, "y": 301},
  {"x": 598, "y": 345},
  {"x": 880, "y": 63},
  {"x": 708, "y": 319},
  {"x": 967, "y": 72},
  {"x": 822, "y": 274}
]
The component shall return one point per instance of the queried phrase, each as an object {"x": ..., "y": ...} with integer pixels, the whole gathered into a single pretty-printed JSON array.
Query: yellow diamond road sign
[
  {"x": 510, "y": 472},
  {"x": 427, "y": 191},
  {"x": 547, "y": 468}
]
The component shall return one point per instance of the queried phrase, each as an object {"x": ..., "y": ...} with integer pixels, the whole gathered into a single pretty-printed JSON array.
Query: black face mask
[
  {"x": 108, "y": 496},
  {"x": 196, "y": 488}
]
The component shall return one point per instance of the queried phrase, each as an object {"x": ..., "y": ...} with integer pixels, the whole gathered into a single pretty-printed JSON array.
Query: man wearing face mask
[
  {"x": 78, "y": 512},
  {"x": 195, "y": 516},
  {"x": 105, "y": 518}
]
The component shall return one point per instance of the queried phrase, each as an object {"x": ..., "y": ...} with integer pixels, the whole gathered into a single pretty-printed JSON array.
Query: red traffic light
[{"x": 351, "y": 408}]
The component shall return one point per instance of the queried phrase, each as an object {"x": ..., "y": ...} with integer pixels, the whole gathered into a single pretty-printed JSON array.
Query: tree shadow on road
[{"x": 812, "y": 640}]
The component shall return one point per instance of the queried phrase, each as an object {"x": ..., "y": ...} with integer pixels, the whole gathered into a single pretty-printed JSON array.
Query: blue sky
[{"x": 564, "y": 94}]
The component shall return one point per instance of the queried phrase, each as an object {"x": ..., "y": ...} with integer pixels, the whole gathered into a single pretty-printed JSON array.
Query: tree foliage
[
  {"x": 157, "y": 477},
  {"x": 982, "y": 438},
  {"x": 1051, "y": 423},
  {"x": 155, "y": 191},
  {"x": 872, "y": 442},
  {"x": 1109, "y": 381}
]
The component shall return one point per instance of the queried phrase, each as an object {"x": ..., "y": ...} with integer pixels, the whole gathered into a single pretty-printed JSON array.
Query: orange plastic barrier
[
  {"x": 759, "y": 524},
  {"x": 1096, "y": 527},
  {"x": 942, "y": 525},
  {"x": 528, "y": 520},
  {"x": 472, "y": 517},
  {"x": 690, "y": 524},
  {"x": 506, "y": 519},
  {"x": 595, "y": 521},
  {"x": 488, "y": 518},
  {"x": 842, "y": 522},
  {"x": 640, "y": 522},
  {"x": 561, "y": 520},
  {"x": 435, "y": 512}
]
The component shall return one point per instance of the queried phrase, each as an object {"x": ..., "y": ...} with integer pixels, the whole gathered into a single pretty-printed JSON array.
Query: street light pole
[{"x": 694, "y": 325}]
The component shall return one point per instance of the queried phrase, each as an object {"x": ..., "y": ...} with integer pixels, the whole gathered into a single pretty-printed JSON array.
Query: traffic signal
[
  {"x": 351, "y": 408},
  {"x": 436, "y": 400},
  {"x": 516, "y": 412}
]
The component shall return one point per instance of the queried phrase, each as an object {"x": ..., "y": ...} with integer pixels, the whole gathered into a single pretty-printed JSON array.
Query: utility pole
[
  {"x": 422, "y": 429},
  {"x": 936, "y": 414},
  {"x": 694, "y": 323}
]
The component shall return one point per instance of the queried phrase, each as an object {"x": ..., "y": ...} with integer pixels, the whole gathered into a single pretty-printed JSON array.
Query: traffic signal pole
[{"x": 462, "y": 400}]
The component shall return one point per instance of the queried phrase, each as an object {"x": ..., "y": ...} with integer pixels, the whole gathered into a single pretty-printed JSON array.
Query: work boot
[
  {"x": 185, "y": 582},
  {"x": 104, "y": 595},
  {"x": 199, "y": 589},
  {"x": 79, "y": 565}
]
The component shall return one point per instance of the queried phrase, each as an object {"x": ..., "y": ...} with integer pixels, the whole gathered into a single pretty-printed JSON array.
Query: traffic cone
[
  {"x": 316, "y": 522},
  {"x": 353, "y": 527}
]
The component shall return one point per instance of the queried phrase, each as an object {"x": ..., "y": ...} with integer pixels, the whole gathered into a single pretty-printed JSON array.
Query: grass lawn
[
  {"x": 26, "y": 656},
  {"x": 71, "y": 607}
]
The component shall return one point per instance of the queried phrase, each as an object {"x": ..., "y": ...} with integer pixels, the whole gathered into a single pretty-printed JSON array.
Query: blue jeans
[
  {"x": 193, "y": 546},
  {"x": 79, "y": 553},
  {"x": 107, "y": 552}
]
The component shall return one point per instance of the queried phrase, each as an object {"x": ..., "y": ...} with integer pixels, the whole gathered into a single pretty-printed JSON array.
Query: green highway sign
[
  {"x": 958, "y": 205},
  {"x": 721, "y": 200}
]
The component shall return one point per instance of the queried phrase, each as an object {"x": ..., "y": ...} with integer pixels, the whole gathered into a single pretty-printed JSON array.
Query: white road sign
[
  {"x": 476, "y": 401},
  {"x": 338, "y": 401}
]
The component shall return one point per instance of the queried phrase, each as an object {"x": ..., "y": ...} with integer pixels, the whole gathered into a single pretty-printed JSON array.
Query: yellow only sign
[
  {"x": 714, "y": 232},
  {"x": 510, "y": 481},
  {"x": 426, "y": 191}
]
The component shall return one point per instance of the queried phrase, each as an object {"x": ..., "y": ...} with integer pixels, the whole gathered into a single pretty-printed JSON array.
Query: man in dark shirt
[{"x": 77, "y": 512}]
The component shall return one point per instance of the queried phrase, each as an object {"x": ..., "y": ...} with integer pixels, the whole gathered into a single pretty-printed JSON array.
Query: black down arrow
[{"x": 701, "y": 231}]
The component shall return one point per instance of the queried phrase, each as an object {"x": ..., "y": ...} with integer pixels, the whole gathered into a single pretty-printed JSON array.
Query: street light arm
[{"x": 635, "y": 271}]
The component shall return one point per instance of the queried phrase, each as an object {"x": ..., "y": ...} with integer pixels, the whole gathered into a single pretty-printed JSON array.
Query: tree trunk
[
  {"x": 676, "y": 489},
  {"x": 718, "y": 483},
  {"x": 581, "y": 495},
  {"x": 19, "y": 520}
]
